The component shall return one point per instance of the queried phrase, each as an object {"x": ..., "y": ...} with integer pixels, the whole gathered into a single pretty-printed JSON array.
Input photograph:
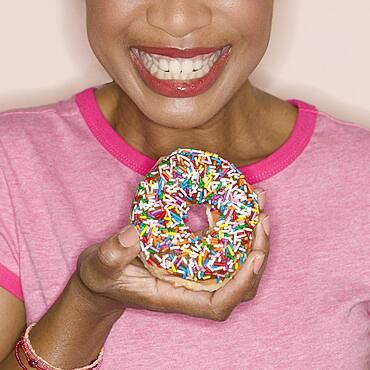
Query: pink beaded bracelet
[{"x": 37, "y": 362}]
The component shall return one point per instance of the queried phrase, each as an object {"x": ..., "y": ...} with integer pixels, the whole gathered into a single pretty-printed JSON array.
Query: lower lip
[{"x": 182, "y": 89}]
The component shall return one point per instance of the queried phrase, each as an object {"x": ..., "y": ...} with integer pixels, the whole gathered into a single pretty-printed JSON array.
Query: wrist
[
  {"x": 93, "y": 303},
  {"x": 73, "y": 331}
]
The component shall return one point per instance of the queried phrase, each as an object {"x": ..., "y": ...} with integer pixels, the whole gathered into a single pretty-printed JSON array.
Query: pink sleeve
[{"x": 9, "y": 251}]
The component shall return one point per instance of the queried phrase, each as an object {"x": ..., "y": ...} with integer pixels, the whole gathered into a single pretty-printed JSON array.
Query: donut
[{"x": 169, "y": 249}]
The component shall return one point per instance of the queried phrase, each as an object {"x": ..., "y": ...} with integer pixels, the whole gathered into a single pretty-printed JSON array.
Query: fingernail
[
  {"x": 266, "y": 225},
  {"x": 257, "y": 264},
  {"x": 128, "y": 237}
]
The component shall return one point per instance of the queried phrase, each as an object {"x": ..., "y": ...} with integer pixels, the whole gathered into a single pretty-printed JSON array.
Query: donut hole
[{"x": 197, "y": 219}]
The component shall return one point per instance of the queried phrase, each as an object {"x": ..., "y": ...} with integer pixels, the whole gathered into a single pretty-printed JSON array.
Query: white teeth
[
  {"x": 161, "y": 75},
  {"x": 163, "y": 64},
  {"x": 187, "y": 66},
  {"x": 153, "y": 69},
  {"x": 148, "y": 58},
  {"x": 206, "y": 69},
  {"x": 185, "y": 76},
  {"x": 198, "y": 74},
  {"x": 214, "y": 57},
  {"x": 174, "y": 66},
  {"x": 166, "y": 68},
  {"x": 198, "y": 64}
]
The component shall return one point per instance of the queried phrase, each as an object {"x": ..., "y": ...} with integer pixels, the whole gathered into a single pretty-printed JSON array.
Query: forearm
[{"x": 73, "y": 331}]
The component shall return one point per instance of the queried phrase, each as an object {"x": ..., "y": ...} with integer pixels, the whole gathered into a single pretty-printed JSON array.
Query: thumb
[{"x": 119, "y": 250}]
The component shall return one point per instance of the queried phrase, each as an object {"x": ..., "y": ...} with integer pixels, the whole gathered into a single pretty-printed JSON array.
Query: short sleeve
[{"x": 9, "y": 251}]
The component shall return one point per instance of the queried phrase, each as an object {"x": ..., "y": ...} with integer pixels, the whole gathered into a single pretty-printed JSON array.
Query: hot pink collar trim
[{"x": 140, "y": 163}]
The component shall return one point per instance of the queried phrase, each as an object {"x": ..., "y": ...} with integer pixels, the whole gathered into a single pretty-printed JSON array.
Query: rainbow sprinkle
[{"x": 161, "y": 204}]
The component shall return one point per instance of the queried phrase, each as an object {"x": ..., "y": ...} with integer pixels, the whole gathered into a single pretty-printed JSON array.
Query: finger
[
  {"x": 261, "y": 234},
  {"x": 182, "y": 300},
  {"x": 260, "y": 244},
  {"x": 259, "y": 265},
  {"x": 243, "y": 283},
  {"x": 230, "y": 295},
  {"x": 137, "y": 262},
  {"x": 220, "y": 304},
  {"x": 261, "y": 197},
  {"x": 215, "y": 306},
  {"x": 135, "y": 271},
  {"x": 118, "y": 251}
]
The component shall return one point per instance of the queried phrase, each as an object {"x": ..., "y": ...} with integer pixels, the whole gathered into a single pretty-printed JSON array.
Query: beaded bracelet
[
  {"x": 20, "y": 362},
  {"x": 37, "y": 362}
]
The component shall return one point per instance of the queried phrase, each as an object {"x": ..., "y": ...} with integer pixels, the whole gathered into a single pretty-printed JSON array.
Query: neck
[{"x": 250, "y": 127}]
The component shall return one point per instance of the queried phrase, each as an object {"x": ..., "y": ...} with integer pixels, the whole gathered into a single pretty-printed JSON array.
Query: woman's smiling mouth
[{"x": 180, "y": 73}]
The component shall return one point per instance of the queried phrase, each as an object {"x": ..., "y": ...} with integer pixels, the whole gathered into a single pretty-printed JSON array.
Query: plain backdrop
[{"x": 319, "y": 52}]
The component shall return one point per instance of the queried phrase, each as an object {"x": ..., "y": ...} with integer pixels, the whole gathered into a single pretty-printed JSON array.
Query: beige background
[{"x": 319, "y": 52}]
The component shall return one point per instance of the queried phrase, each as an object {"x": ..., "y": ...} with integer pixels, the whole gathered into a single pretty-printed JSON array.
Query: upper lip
[{"x": 178, "y": 53}]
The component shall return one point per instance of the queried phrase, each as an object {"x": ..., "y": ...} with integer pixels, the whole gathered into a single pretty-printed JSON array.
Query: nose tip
[{"x": 179, "y": 18}]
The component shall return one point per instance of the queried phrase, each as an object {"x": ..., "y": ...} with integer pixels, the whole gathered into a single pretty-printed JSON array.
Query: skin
[
  {"x": 108, "y": 279},
  {"x": 243, "y": 124},
  {"x": 233, "y": 118},
  {"x": 240, "y": 124},
  {"x": 115, "y": 272}
]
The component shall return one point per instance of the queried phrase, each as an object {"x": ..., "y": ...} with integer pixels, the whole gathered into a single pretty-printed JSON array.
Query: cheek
[
  {"x": 108, "y": 19},
  {"x": 106, "y": 22},
  {"x": 253, "y": 23},
  {"x": 253, "y": 19}
]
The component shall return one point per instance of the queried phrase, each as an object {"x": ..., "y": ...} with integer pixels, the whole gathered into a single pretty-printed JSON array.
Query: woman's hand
[{"x": 112, "y": 273}]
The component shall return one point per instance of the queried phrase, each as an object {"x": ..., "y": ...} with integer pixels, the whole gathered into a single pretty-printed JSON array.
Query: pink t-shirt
[{"x": 67, "y": 181}]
